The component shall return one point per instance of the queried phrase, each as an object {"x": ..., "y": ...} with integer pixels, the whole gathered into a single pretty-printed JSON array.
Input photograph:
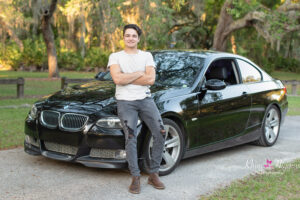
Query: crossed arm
[{"x": 137, "y": 78}]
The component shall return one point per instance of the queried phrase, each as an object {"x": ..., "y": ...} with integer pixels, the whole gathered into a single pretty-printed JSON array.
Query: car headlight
[
  {"x": 33, "y": 112},
  {"x": 112, "y": 122}
]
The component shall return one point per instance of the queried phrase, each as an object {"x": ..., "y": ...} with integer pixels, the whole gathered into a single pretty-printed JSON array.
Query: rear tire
[
  {"x": 270, "y": 128},
  {"x": 173, "y": 149}
]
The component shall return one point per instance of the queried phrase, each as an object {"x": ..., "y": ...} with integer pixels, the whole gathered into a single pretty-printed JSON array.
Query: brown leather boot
[
  {"x": 135, "y": 186},
  {"x": 155, "y": 182}
]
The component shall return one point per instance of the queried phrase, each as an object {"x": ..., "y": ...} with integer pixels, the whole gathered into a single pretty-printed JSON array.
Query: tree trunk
[
  {"x": 226, "y": 25},
  {"x": 219, "y": 43},
  {"x": 83, "y": 34},
  {"x": 49, "y": 39}
]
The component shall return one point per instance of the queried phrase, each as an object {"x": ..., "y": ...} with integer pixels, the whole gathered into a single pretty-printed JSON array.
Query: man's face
[{"x": 131, "y": 38}]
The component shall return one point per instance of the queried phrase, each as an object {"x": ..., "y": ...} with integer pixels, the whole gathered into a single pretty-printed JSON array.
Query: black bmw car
[{"x": 208, "y": 101}]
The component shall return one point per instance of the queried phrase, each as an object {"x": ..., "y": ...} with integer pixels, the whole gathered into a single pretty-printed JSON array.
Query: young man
[{"x": 133, "y": 71}]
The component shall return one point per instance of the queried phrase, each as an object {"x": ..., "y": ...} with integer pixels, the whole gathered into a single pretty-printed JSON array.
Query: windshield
[{"x": 174, "y": 69}]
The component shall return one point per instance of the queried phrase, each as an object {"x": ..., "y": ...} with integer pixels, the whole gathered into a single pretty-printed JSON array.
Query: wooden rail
[
  {"x": 20, "y": 85},
  {"x": 20, "y": 82},
  {"x": 65, "y": 81},
  {"x": 294, "y": 85}
]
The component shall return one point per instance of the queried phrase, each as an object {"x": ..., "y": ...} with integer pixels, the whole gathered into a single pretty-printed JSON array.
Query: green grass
[
  {"x": 16, "y": 74},
  {"x": 8, "y": 102},
  {"x": 285, "y": 75},
  {"x": 282, "y": 182},
  {"x": 12, "y": 127},
  {"x": 35, "y": 87},
  {"x": 31, "y": 88}
]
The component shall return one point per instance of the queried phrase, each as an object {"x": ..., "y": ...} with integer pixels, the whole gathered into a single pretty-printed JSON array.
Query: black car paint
[{"x": 202, "y": 114}]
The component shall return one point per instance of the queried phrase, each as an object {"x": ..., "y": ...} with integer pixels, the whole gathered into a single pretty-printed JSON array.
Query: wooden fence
[
  {"x": 294, "y": 86},
  {"x": 20, "y": 85},
  {"x": 65, "y": 81}
]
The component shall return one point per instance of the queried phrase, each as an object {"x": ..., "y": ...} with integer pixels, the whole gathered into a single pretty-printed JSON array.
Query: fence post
[
  {"x": 64, "y": 83},
  {"x": 294, "y": 88},
  {"x": 20, "y": 87}
]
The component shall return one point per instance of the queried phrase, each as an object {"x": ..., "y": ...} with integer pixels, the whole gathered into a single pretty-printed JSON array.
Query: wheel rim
[
  {"x": 272, "y": 125},
  {"x": 171, "y": 149}
]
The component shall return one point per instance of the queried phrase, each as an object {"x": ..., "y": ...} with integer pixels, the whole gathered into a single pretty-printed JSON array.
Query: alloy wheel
[
  {"x": 172, "y": 148},
  {"x": 272, "y": 125}
]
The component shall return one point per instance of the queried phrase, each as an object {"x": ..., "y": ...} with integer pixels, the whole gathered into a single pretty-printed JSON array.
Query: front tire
[
  {"x": 173, "y": 149},
  {"x": 270, "y": 127}
]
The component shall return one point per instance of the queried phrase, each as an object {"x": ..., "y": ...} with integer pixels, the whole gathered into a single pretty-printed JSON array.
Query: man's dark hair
[{"x": 133, "y": 26}]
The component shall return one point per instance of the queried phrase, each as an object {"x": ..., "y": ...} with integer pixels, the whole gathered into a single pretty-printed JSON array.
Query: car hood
[{"x": 95, "y": 95}]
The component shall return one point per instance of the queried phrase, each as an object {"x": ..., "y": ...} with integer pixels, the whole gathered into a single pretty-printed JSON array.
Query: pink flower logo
[{"x": 268, "y": 165}]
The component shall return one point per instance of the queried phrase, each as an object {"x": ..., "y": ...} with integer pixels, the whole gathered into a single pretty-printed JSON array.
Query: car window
[
  {"x": 106, "y": 77},
  {"x": 249, "y": 73},
  {"x": 174, "y": 69},
  {"x": 223, "y": 69}
]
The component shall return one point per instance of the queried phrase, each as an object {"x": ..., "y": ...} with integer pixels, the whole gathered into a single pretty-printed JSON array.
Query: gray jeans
[{"x": 146, "y": 110}]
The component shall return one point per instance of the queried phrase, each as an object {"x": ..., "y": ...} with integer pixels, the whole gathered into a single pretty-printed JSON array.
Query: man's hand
[
  {"x": 148, "y": 78},
  {"x": 121, "y": 78}
]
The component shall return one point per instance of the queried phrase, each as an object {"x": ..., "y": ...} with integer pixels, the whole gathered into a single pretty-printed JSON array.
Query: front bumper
[
  {"x": 95, "y": 148},
  {"x": 85, "y": 160}
]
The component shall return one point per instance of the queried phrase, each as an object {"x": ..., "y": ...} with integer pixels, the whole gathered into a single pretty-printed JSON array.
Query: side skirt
[{"x": 252, "y": 135}]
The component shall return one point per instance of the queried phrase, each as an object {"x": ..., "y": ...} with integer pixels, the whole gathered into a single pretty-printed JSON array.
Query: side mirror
[
  {"x": 99, "y": 75},
  {"x": 215, "y": 84}
]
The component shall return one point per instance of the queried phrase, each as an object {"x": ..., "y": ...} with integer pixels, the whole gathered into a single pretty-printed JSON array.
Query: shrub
[
  {"x": 10, "y": 55},
  {"x": 35, "y": 53},
  {"x": 287, "y": 64},
  {"x": 96, "y": 57},
  {"x": 70, "y": 60}
]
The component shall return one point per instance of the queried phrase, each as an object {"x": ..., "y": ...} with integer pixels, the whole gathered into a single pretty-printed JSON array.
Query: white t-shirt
[{"x": 130, "y": 63}]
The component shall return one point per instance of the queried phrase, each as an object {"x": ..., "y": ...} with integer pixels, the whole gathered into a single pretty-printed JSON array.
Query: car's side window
[
  {"x": 223, "y": 69},
  {"x": 249, "y": 73}
]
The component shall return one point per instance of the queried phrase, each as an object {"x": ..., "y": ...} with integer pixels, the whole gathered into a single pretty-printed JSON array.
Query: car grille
[
  {"x": 73, "y": 121},
  {"x": 61, "y": 148},
  {"x": 69, "y": 121},
  {"x": 50, "y": 118}
]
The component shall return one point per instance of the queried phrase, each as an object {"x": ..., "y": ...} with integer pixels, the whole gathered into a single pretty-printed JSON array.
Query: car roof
[{"x": 198, "y": 52}]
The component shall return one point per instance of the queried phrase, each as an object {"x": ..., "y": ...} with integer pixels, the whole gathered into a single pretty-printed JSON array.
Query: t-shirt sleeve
[
  {"x": 112, "y": 60},
  {"x": 150, "y": 60}
]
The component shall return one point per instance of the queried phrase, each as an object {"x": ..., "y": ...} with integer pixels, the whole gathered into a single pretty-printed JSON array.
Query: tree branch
[
  {"x": 292, "y": 28},
  {"x": 288, "y": 6},
  {"x": 245, "y": 21}
]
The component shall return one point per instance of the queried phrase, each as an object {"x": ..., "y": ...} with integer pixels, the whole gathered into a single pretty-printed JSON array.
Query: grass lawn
[
  {"x": 282, "y": 182},
  {"x": 31, "y": 88},
  {"x": 72, "y": 74},
  {"x": 12, "y": 127},
  {"x": 35, "y": 87},
  {"x": 285, "y": 75}
]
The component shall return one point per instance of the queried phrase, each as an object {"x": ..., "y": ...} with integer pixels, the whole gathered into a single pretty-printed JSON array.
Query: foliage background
[{"x": 86, "y": 31}]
